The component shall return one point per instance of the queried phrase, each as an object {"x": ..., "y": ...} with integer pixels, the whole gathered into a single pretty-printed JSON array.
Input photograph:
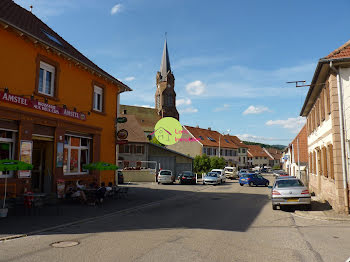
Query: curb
[
  {"x": 325, "y": 218},
  {"x": 127, "y": 210}
]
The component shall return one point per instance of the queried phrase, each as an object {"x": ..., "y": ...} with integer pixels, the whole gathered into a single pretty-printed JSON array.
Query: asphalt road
[{"x": 192, "y": 223}]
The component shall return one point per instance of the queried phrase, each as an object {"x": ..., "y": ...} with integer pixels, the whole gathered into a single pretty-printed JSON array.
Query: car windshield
[
  {"x": 289, "y": 183},
  {"x": 229, "y": 169},
  {"x": 165, "y": 173},
  {"x": 188, "y": 174},
  {"x": 217, "y": 172},
  {"x": 247, "y": 175},
  {"x": 212, "y": 174}
]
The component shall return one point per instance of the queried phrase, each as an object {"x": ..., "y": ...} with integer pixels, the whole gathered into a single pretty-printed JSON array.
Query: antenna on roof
[
  {"x": 30, "y": 8},
  {"x": 166, "y": 35}
]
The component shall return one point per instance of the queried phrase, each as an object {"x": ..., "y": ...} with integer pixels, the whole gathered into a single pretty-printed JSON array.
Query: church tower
[{"x": 165, "y": 97}]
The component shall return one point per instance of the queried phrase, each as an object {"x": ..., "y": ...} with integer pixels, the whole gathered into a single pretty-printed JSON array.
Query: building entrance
[{"x": 42, "y": 166}]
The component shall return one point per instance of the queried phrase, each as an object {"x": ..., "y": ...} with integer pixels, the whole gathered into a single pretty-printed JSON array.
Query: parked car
[
  {"x": 279, "y": 173},
  {"x": 166, "y": 177},
  {"x": 120, "y": 177},
  {"x": 253, "y": 179},
  {"x": 212, "y": 178},
  {"x": 187, "y": 177},
  {"x": 290, "y": 191},
  {"x": 231, "y": 172},
  {"x": 243, "y": 171},
  {"x": 221, "y": 174}
]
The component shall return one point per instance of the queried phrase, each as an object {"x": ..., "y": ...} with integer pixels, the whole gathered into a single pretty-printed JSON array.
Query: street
[{"x": 192, "y": 223}]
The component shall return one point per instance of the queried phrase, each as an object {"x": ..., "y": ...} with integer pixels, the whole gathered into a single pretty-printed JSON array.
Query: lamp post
[{"x": 223, "y": 133}]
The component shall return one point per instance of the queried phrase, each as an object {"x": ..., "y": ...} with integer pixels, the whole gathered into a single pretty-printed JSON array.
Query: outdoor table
[{"x": 35, "y": 200}]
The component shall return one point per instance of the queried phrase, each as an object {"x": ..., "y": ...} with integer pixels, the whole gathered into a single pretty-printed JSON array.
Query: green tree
[{"x": 217, "y": 162}]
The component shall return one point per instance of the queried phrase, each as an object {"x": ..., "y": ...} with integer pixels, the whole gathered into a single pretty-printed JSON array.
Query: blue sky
[{"x": 230, "y": 59}]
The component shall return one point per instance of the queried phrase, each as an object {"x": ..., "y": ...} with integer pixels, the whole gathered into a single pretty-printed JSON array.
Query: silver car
[
  {"x": 290, "y": 191},
  {"x": 212, "y": 178},
  {"x": 165, "y": 177}
]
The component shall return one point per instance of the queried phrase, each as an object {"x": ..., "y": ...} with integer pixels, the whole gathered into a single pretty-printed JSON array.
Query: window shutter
[
  {"x": 323, "y": 107},
  {"x": 331, "y": 165}
]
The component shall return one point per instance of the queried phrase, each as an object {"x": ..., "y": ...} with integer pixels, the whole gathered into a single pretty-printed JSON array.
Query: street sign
[
  {"x": 121, "y": 142},
  {"x": 122, "y": 134},
  {"x": 122, "y": 119}
]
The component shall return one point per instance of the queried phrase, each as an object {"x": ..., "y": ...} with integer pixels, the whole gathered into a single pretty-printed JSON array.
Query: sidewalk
[
  {"x": 21, "y": 224},
  {"x": 322, "y": 211}
]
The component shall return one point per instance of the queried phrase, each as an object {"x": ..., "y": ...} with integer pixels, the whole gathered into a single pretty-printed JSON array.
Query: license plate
[
  {"x": 243, "y": 179},
  {"x": 293, "y": 200}
]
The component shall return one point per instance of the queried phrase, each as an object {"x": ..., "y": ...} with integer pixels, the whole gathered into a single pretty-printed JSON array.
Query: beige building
[
  {"x": 257, "y": 156},
  {"x": 327, "y": 110}
]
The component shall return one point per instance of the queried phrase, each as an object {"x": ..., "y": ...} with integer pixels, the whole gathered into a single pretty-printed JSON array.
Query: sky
[{"x": 231, "y": 59}]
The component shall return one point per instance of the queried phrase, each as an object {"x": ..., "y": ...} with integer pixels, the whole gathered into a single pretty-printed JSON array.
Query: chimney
[
  {"x": 30, "y": 8},
  {"x": 197, "y": 126},
  {"x": 209, "y": 128}
]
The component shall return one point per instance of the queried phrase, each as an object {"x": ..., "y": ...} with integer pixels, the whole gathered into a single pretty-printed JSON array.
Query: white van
[
  {"x": 231, "y": 172},
  {"x": 221, "y": 174}
]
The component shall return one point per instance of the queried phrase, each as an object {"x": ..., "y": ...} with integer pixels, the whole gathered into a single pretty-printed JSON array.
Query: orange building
[{"x": 57, "y": 108}]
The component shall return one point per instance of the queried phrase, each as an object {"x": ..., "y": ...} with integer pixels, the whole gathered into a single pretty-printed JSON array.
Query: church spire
[{"x": 165, "y": 64}]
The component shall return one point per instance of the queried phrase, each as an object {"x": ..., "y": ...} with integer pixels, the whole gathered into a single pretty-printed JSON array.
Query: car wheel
[
  {"x": 274, "y": 207},
  {"x": 251, "y": 184},
  {"x": 267, "y": 184},
  {"x": 158, "y": 183},
  {"x": 240, "y": 184}
]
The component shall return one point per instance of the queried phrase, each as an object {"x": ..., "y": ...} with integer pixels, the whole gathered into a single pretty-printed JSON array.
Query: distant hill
[{"x": 279, "y": 147}]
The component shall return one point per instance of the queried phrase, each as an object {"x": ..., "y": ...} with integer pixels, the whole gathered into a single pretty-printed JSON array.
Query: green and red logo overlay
[{"x": 168, "y": 131}]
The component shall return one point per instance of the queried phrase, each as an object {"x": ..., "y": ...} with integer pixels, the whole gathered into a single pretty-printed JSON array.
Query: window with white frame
[
  {"x": 46, "y": 79},
  {"x": 76, "y": 154},
  {"x": 7, "y": 148},
  {"x": 98, "y": 99}
]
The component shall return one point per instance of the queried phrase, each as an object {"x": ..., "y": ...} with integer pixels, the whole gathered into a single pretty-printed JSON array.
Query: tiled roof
[
  {"x": 226, "y": 141},
  {"x": 341, "y": 52},
  {"x": 19, "y": 18},
  {"x": 276, "y": 154},
  {"x": 135, "y": 131},
  {"x": 257, "y": 151},
  {"x": 147, "y": 117}
]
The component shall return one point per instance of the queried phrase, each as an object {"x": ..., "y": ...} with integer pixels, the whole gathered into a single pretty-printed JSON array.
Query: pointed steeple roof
[{"x": 165, "y": 64}]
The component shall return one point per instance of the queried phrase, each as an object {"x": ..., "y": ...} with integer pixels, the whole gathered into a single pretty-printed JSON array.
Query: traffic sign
[{"x": 122, "y": 119}]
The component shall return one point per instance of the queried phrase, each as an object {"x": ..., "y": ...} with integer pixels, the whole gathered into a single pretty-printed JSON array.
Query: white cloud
[
  {"x": 196, "y": 88},
  {"x": 225, "y": 107},
  {"x": 294, "y": 124},
  {"x": 116, "y": 9},
  {"x": 183, "y": 101},
  {"x": 129, "y": 78},
  {"x": 188, "y": 110},
  {"x": 256, "y": 110},
  {"x": 148, "y": 106},
  {"x": 253, "y": 138}
]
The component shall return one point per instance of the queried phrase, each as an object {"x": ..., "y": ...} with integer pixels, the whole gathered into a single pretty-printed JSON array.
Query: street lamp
[{"x": 223, "y": 133}]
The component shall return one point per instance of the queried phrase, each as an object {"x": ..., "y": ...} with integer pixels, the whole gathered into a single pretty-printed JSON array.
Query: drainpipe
[{"x": 341, "y": 115}]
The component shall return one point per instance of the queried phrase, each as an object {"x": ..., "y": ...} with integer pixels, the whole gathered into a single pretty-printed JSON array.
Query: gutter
[
  {"x": 320, "y": 63},
  {"x": 342, "y": 140}
]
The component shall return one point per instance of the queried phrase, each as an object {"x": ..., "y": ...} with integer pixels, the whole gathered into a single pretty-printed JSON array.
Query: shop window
[
  {"x": 76, "y": 153},
  {"x": 7, "y": 148},
  {"x": 98, "y": 99}
]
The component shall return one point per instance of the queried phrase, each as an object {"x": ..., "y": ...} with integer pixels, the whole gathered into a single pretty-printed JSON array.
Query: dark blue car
[{"x": 252, "y": 179}]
